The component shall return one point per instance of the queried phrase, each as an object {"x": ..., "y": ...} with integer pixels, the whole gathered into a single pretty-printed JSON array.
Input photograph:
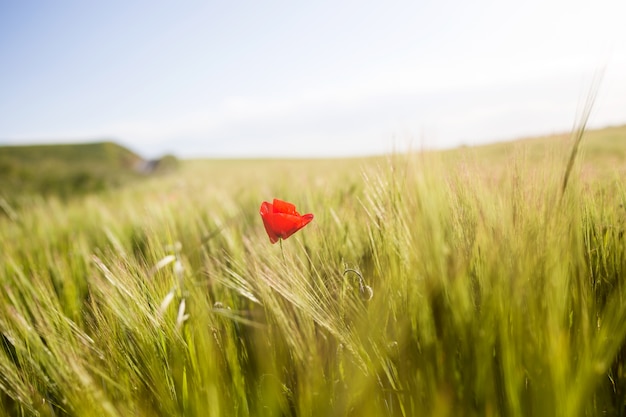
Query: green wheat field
[{"x": 487, "y": 281}]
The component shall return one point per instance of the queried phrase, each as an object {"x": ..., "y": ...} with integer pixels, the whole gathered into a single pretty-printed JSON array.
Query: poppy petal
[
  {"x": 269, "y": 228},
  {"x": 266, "y": 212},
  {"x": 281, "y": 206},
  {"x": 266, "y": 208}
]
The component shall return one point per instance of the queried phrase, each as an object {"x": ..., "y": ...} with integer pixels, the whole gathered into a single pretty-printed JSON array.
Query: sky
[{"x": 305, "y": 79}]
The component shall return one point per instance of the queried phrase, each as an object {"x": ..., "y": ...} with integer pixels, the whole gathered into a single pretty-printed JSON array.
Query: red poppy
[{"x": 281, "y": 219}]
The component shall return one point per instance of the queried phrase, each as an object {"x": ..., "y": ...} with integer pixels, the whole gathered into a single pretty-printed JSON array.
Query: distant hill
[
  {"x": 71, "y": 169},
  {"x": 602, "y": 151}
]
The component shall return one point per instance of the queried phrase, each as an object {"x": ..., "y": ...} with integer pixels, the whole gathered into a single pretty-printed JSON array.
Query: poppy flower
[{"x": 281, "y": 219}]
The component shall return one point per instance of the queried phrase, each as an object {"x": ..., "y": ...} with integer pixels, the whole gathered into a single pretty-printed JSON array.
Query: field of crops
[{"x": 472, "y": 282}]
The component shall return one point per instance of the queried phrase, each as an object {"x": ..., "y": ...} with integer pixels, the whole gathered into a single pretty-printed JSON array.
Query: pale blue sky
[{"x": 324, "y": 78}]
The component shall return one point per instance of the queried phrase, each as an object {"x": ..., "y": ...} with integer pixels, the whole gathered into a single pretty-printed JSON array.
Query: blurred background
[{"x": 313, "y": 79}]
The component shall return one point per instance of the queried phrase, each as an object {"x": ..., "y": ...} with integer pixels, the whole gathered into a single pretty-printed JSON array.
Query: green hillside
[
  {"x": 69, "y": 169},
  {"x": 76, "y": 169},
  {"x": 602, "y": 155},
  {"x": 608, "y": 142}
]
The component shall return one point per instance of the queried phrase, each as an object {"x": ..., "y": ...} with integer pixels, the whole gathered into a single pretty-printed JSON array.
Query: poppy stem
[{"x": 280, "y": 241}]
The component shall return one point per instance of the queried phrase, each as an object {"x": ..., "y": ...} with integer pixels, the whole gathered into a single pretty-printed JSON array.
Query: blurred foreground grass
[{"x": 492, "y": 291}]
